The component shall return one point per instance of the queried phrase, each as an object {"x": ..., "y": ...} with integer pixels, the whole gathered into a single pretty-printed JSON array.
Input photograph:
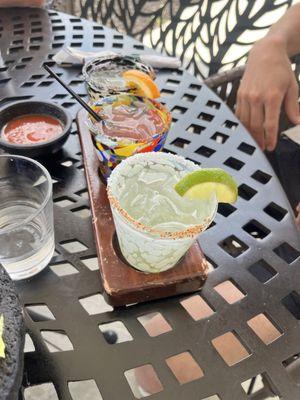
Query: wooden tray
[{"x": 122, "y": 283}]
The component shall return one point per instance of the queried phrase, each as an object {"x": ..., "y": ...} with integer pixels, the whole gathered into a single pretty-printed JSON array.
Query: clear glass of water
[
  {"x": 26, "y": 216},
  {"x": 155, "y": 226}
]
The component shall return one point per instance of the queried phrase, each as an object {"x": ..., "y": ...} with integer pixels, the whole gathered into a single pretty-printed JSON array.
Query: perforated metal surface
[{"x": 253, "y": 246}]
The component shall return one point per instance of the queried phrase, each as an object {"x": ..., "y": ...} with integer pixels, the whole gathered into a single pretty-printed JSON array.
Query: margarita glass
[{"x": 156, "y": 226}]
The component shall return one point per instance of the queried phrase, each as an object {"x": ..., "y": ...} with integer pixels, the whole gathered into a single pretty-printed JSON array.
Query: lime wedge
[{"x": 202, "y": 183}]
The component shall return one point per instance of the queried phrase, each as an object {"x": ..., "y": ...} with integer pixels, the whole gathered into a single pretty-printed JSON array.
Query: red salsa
[{"x": 30, "y": 129}]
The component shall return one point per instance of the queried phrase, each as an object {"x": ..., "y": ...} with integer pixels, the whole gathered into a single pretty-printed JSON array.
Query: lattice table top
[{"x": 253, "y": 248}]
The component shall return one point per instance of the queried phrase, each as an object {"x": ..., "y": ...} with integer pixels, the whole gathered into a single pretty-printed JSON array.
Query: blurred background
[{"x": 209, "y": 36}]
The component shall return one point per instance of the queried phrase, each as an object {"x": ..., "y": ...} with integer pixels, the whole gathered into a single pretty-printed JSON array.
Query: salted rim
[
  {"x": 48, "y": 195},
  {"x": 114, "y": 202},
  {"x": 116, "y": 139}
]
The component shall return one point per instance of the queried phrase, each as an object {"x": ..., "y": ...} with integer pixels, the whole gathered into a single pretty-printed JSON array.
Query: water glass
[{"x": 26, "y": 216}]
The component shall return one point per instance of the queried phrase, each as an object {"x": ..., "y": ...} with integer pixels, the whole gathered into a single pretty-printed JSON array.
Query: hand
[
  {"x": 298, "y": 215},
  {"x": 267, "y": 84}
]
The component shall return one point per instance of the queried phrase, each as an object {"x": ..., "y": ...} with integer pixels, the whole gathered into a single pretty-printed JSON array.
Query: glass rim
[
  {"x": 47, "y": 195},
  {"x": 96, "y": 61},
  {"x": 189, "y": 232}
]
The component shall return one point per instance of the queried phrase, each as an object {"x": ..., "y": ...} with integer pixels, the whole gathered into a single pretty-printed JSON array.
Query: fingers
[
  {"x": 272, "y": 112},
  {"x": 298, "y": 219},
  {"x": 260, "y": 115},
  {"x": 244, "y": 112},
  {"x": 250, "y": 111},
  {"x": 291, "y": 104},
  {"x": 257, "y": 123},
  {"x": 298, "y": 215},
  {"x": 238, "y": 107}
]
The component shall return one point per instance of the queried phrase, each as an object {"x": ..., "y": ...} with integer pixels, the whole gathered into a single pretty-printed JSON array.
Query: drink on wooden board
[{"x": 130, "y": 125}]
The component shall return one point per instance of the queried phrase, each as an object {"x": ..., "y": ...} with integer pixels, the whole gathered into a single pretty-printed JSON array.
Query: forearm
[
  {"x": 286, "y": 32},
  {"x": 269, "y": 82}
]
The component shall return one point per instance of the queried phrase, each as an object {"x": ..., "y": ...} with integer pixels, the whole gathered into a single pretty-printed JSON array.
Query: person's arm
[
  {"x": 287, "y": 30},
  {"x": 269, "y": 82}
]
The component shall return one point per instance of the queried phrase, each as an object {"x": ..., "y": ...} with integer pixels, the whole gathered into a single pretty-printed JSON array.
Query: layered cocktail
[{"x": 130, "y": 125}]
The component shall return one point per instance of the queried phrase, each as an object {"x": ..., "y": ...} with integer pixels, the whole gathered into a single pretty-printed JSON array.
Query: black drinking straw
[{"x": 75, "y": 95}]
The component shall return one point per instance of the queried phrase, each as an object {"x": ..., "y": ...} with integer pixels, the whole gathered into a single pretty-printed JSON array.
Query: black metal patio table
[{"x": 253, "y": 247}]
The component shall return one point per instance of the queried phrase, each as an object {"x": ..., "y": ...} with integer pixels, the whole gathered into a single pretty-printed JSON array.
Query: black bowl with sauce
[{"x": 34, "y": 108}]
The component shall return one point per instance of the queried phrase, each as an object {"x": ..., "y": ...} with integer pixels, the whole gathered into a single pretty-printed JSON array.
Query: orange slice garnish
[{"x": 142, "y": 83}]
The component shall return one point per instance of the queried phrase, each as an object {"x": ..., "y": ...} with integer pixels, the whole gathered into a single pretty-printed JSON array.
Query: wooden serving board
[{"x": 122, "y": 283}]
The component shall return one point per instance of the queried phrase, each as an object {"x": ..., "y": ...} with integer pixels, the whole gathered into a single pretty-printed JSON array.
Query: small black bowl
[{"x": 35, "y": 107}]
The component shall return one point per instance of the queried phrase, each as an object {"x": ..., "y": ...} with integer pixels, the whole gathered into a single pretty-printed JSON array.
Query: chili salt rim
[{"x": 189, "y": 232}]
